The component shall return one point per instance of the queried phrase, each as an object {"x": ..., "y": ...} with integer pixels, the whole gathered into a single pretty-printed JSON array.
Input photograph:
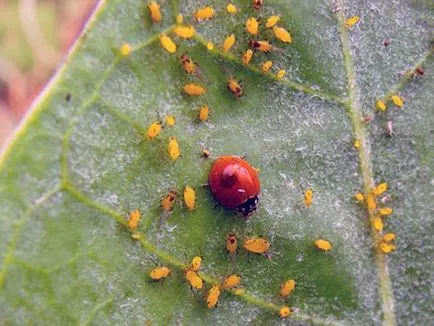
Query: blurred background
[{"x": 34, "y": 38}]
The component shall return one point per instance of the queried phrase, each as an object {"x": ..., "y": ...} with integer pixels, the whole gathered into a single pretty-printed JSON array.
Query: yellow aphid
[
  {"x": 167, "y": 43},
  {"x": 284, "y": 312},
  {"x": 231, "y": 8},
  {"x": 154, "y": 130},
  {"x": 378, "y": 190},
  {"x": 389, "y": 237},
  {"x": 194, "y": 279},
  {"x": 271, "y": 21},
  {"x": 229, "y": 42},
  {"x": 280, "y": 74},
  {"x": 282, "y": 34},
  {"x": 266, "y": 66},
  {"x": 159, "y": 273},
  {"x": 195, "y": 263},
  {"x": 179, "y": 19},
  {"x": 204, "y": 113},
  {"x": 387, "y": 247},
  {"x": 323, "y": 244},
  {"x": 125, "y": 50},
  {"x": 351, "y": 21},
  {"x": 134, "y": 219},
  {"x": 287, "y": 288},
  {"x": 231, "y": 281},
  {"x": 308, "y": 197},
  {"x": 359, "y": 196},
  {"x": 380, "y": 105},
  {"x": 263, "y": 46},
  {"x": 378, "y": 224},
  {"x": 170, "y": 120},
  {"x": 194, "y": 89},
  {"x": 210, "y": 46},
  {"x": 235, "y": 87},
  {"x": 187, "y": 64},
  {"x": 385, "y": 211},
  {"x": 357, "y": 144},
  {"x": 247, "y": 56},
  {"x": 182, "y": 31},
  {"x": 204, "y": 13},
  {"x": 136, "y": 235},
  {"x": 252, "y": 25},
  {"x": 256, "y": 245},
  {"x": 213, "y": 296},
  {"x": 189, "y": 197},
  {"x": 371, "y": 202},
  {"x": 240, "y": 291},
  {"x": 173, "y": 148},
  {"x": 168, "y": 200},
  {"x": 154, "y": 11},
  {"x": 231, "y": 243},
  {"x": 397, "y": 100}
]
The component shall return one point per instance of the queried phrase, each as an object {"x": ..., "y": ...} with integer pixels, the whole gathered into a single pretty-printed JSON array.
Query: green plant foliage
[{"x": 80, "y": 163}]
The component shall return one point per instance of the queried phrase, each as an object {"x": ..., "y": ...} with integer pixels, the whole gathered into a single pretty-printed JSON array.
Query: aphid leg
[
  {"x": 192, "y": 290},
  {"x": 266, "y": 254}
]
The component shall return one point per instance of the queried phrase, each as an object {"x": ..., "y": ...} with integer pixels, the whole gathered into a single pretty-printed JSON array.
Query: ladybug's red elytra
[{"x": 234, "y": 183}]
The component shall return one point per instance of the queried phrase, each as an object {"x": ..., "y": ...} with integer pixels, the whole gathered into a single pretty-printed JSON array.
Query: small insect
[
  {"x": 185, "y": 32},
  {"x": 195, "y": 264},
  {"x": 397, "y": 100},
  {"x": 134, "y": 219},
  {"x": 210, "y": 46},
  {"x": 205, "y": 153},
  {"x": 367, "y": 118},
  {"x": 389, "y": 237},
  {"x": 173, "y": 148},
  {"x": 351, "y": 21},
  {"x": 213, "y": 295},
  {"x": 387, "y": 247},
  {"x": 266, "y": 66},
  {"x": 187, "y": 64},
  {"x": 324, "y": 245},
  {"x": 357, "y": 144},
  {"x": 194, "y": 89},
  {"x": 380, "y": 105},
  {"x": 159, "y": 273},
  {"x": 229, "y": 42},
  {"x": 272, "y": 21},
  {"x": 378, "y": 224},
  {"x": 280, "y": 74},
  {"x": 194, "y": 279},
  {"x": 68, "y": 97},
  {"x": 359, "y": 197},
  {"x": 252, "y": 25},
  {"x": 419, "y": 71},
  {"x": 189, "y": 197},
  {"x": 371, "y": 202},
  {"x": 263, "y": 46},
  {"x": 257, "y": 4},
  {"x": 204, "y": 113},
  {"x": 235, "y": 184},
  {"x": 380, "y": 189},
  {"x": 204, "y": 13},
  {"x": 386, "y": 43},
  {"x": 285, "y": 312},
  {"x": 231, "y": 8},
  {"x": 154, "y": 130},
  {"x": 257, "y": 246},
  {"x": 168, "y": 201},
  {"x": 386, "y": 211},
  {"x": 282, "y": 34},
  {"x": 154, "y": 11},
  {"x": 287, "y": 288},
  {"x": 247, "y": 56},
  {"x": 170, "y": 120},
  {"x": 232, "y": 281},
  {"x": 235, "y": 87},
  {"x": 179, "y": 19},
  {"x": 125, "y": 50},
  {"x": 231, "y": 243},
  {"x": 308, "y": 197},
  {"x": 167, "y": 43}
]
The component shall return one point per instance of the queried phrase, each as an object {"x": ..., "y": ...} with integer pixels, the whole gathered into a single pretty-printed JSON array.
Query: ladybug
[{"x": 234, "y": 183}]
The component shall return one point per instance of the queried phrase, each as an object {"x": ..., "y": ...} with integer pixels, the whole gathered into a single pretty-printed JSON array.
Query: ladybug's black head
[{"x": 248, "y": 207}]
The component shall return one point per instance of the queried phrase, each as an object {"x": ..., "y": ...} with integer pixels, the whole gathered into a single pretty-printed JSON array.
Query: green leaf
[{"x": 79, "y": 163}]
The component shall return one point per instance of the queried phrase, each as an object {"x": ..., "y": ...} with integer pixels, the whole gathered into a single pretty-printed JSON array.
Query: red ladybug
[{"x": 234, "y": 184}]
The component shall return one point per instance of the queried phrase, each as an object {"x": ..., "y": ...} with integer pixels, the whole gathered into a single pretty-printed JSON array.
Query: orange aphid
[
  {"x": 235, "y": 87},
  {"x": 228, "y": 42},
  {"x": 324, "y": 245},
  {"x": 167, "y": 43},
  {"x": 168, "y": 200},
  {"x": 194, "y": 279},
  {"x": 182, "y": 31},
  {"x": 204, "y": 113},
  {"x": 194, "y": 89},
  {"x": 213, "y": 296},
  {"x": 247, "y": 56},
  {"x": 308, "y": 197},
  {"x": 351, "y": 21},
  {"x": 195, "y": 263},
  {"x": 287, "y": 288},
  {"x": 252, "y": 25},
  {"x": 231, "y": 243},
  {"x": 263, "y": 46},
  {"x": 378, "y": 224},
  {"x": 204, "y": 13},
  {"x": 159, "y": 273},
  {"x": 189, "y": 197},
  {"x": 170, "y": 120},
  {"x": 371, "y": 202},
  {"x": 154, "y": 11},
  {"x": 266, "y": 66},
  {"x": 153, "y": 130},
  {"x": 173, "y": 149},
  {"x": 134, "y": 219},
  {"x": 231, "y": 281},
  {"x": 284, "y": 312},
  {"x": 272, "y": 21},
  {"x": 386, "y": 211},
  {"x": 378, "y": 190},
  {"x": 282, "y": 34},
  {"x": 256, "y": 245}
]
